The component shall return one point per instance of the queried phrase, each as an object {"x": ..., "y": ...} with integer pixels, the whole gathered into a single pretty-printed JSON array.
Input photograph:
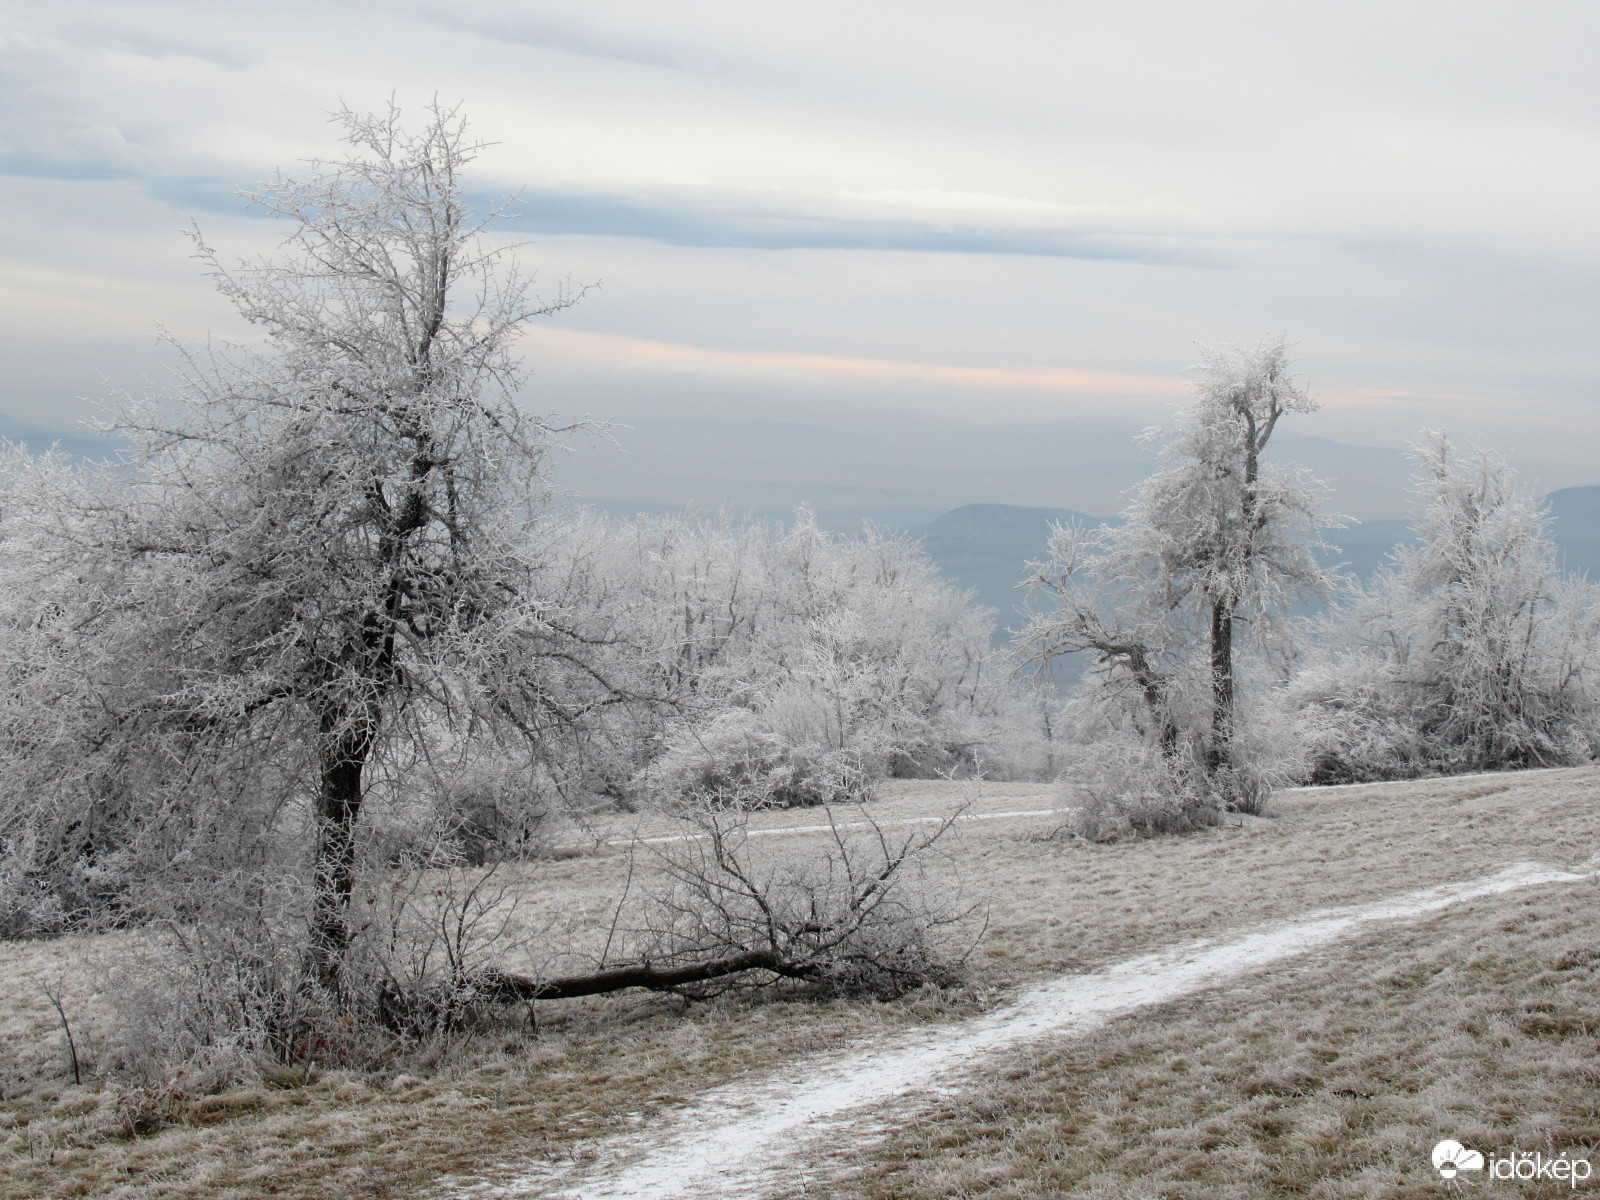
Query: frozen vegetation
[{"x": 299, "y": 692}]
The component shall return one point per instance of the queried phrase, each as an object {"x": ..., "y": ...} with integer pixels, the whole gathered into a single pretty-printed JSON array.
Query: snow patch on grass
[{"x": 737, "y": 1139}]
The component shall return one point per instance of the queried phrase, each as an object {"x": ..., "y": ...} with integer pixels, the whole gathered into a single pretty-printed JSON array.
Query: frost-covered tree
[
  {"x": 325, "y": 544},
  {"x": 1219, "y": 535},
  {"x": 790, "y": 666},
  {"x": 1471, "y": 650}
]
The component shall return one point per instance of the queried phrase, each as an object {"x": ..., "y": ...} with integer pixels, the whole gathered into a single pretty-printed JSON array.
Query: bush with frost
[
  {"x": 1120, "y": 786},
  {"x": 792, "y": 665},
  {"x": 1117, "y": 782},
  {"x": 1470, "y": 651}
]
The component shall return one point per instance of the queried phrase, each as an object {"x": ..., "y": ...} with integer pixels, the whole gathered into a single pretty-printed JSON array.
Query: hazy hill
[
  {"x": 903, "y": 471},
  {"x": 1575, "y": 514},
  {"x": 984, "y": 546},
  {"x": 897, "y": 474}
]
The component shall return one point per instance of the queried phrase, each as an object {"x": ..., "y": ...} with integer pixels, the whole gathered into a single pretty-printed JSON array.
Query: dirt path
[{"x": 740, "y": 1138}]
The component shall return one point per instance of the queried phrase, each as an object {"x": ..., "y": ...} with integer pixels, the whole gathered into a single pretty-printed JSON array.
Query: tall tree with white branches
[
  {"x": 1471, "y": 650},
  {"x": 330, "y": 538},
  {"x": 1220, "y": 534}
]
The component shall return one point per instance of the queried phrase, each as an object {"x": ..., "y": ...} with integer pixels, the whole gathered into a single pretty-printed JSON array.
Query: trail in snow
[
  {"x": 782, "y": 830},
  {"x": 737, "y": 1137},
  {"x": 777, "y": 830},
  {"x": 844, "y": 825},
  {"x": 1515, "y": 777}
]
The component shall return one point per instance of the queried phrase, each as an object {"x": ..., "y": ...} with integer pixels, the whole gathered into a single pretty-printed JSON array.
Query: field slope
[{"x": 1331, "y": 1074}]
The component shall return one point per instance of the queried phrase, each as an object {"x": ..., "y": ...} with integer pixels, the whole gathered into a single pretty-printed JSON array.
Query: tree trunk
[
  {"x": 344, "y": 755},
  {"x": 1221, "y": 685}
]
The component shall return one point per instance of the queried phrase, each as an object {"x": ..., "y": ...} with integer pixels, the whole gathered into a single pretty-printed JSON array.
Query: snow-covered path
[
  {"x": 737, "y": 1138},
  {"x": 834, "y": 827}
]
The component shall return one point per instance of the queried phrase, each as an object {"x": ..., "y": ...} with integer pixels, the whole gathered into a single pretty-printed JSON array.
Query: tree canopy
[
  {"x": 1218, "y": 533},
  {"x": 326, "y": 542}
]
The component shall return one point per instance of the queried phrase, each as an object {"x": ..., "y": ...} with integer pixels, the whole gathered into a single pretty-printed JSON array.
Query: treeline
[{"x": 1471, "y": 650}]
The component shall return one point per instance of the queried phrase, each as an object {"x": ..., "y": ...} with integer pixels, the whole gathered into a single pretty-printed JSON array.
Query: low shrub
[{"x": 1118, "y": 787}]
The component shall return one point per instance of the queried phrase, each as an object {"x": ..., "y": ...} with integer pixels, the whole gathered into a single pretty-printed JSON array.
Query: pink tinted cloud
[{"x": 605, "y": 349}]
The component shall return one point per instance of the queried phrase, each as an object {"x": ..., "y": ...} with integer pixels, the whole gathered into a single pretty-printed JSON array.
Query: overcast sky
[{"x": 997, "y": 213}]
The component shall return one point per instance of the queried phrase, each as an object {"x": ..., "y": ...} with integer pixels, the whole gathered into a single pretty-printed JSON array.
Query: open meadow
[
  {"x": 553, "y": 644},
  {"x": 1331, "y": 1075}
]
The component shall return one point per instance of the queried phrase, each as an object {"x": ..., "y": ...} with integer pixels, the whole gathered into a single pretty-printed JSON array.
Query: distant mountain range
[
  {"x": 902, "y": 472},
  {"x": 981, "y": 497},
  {"x": 984, "y": 547},
  {"x": 79, "y": 444}
]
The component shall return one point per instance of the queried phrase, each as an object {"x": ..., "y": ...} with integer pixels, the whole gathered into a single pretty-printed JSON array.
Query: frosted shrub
[
  {"x": 1121, "y": 780},
  {"x": 1357, "y": 719},
  {"x": 1472, "y": 651},
  {"x": 1275, "y": 748},
  {"x": 739, "y": 756},
  {"x": 223, "y": 983},
  {"x": 789, "y": 667},
  {"x": 1119, "y": 787},
  {"x": 219, "y": 984},
  {"x": 1019, "y": 737},
  {"x": 480, "y": 799},
  {"x": 30, "y": 906}
]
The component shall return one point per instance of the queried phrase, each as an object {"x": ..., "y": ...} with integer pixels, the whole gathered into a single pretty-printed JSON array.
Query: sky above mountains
[{"x": 1006, "y": 213}]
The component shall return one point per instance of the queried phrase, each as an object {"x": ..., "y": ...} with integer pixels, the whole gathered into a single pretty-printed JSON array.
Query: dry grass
[
  {"x": 1482, "y": 1024},
  {"x": 603, "y": 1065}
]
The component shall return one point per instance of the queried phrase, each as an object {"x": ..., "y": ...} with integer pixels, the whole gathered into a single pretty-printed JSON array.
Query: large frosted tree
[
  {"x": 1471, "y": 650},
  {"x": 325, "y": 542},
  {"x": 1219, "y": 534}
]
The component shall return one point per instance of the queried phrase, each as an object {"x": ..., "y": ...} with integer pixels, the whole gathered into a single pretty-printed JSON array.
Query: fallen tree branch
[
  {"x": 502, "y": 987},
  {"x": 854, "y": 917}
]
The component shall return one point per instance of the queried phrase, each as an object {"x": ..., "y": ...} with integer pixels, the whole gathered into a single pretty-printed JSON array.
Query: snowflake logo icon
[{"x": 1451, "y": 1157}]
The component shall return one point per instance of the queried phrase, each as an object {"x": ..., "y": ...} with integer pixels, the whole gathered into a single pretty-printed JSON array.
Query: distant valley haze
[
  {"x": 905, "y": 470},
  {"x": 887, "y": 261},
  {"x": 980, "y": 498}
]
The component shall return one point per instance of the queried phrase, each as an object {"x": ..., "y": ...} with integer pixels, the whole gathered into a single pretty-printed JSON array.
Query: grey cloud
[
  {"x": 186, "y": 193},
  {"x": 525, "y": 29},
  {"x": 46, "y": 134},
  {"x": 725, "y": 218}
]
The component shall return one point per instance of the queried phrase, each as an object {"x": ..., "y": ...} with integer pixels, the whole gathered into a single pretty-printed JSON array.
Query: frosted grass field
[{"x": 605, "y": 1066}]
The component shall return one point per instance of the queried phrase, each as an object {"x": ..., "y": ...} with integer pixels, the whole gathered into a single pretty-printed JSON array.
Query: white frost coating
[
  {"x": 781, "y": 830},
  {"x": 732, "y": 1139},
  {"x": 776, "y": 830}
]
